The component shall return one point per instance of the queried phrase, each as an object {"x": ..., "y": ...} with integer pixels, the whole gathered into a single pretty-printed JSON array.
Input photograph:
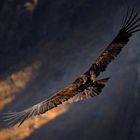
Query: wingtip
[
  {"x": 11, "y": 119},
  {"x": 131, "y": 23}
]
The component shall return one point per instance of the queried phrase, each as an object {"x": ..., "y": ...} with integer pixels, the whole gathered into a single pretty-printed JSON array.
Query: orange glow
[
  {"x": 30, "y": 5},
  {"x": 16, "y": 82},
  {"x": 9, "y": 88},
  {"x": 29, "y": 126}
]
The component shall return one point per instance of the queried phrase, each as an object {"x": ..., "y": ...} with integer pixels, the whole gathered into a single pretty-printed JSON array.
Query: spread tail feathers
[
  {"x": 91, "y": 91},
  {"x": 99, "y": 85}
]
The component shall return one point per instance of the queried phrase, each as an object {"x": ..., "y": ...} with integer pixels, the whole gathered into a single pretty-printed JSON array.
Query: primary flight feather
[{"x": 85, "y": 86}]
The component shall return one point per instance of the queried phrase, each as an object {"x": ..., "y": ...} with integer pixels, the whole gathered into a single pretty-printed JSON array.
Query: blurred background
[{"x": 44, "y": 46}]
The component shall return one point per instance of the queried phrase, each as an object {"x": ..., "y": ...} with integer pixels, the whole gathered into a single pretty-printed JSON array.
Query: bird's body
[{"x": 85, "y": 86}]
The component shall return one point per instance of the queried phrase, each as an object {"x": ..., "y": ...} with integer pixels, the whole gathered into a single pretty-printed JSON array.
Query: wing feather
[
  {"x": 40, "y": 108},
  {"x": 131, "y": 25}
]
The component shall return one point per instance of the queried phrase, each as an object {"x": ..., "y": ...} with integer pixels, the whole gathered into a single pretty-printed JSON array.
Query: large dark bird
[{"x": 85, "y": 86}]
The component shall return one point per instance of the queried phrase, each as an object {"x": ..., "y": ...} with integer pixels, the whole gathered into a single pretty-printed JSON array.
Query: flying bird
[{"x": 85, "y": 86}]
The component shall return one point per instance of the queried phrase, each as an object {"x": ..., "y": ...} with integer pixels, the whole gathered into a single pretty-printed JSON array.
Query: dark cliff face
[{"x": 65, "y": 37}]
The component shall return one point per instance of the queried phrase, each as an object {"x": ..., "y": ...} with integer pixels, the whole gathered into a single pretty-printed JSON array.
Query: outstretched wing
[
  {"x": 130, "y": 25},
  {"x": 62, "y": 96},
  {"x": 19, "y": 117}
]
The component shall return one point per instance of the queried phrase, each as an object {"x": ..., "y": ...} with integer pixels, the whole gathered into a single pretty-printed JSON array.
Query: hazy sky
[{"x": 65, "y": 37}]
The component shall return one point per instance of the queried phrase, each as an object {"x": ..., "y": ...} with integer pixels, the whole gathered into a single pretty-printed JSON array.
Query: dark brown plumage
[
  {"x": 130, "y": 25},
  {"x": 85, "y": 86}
]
